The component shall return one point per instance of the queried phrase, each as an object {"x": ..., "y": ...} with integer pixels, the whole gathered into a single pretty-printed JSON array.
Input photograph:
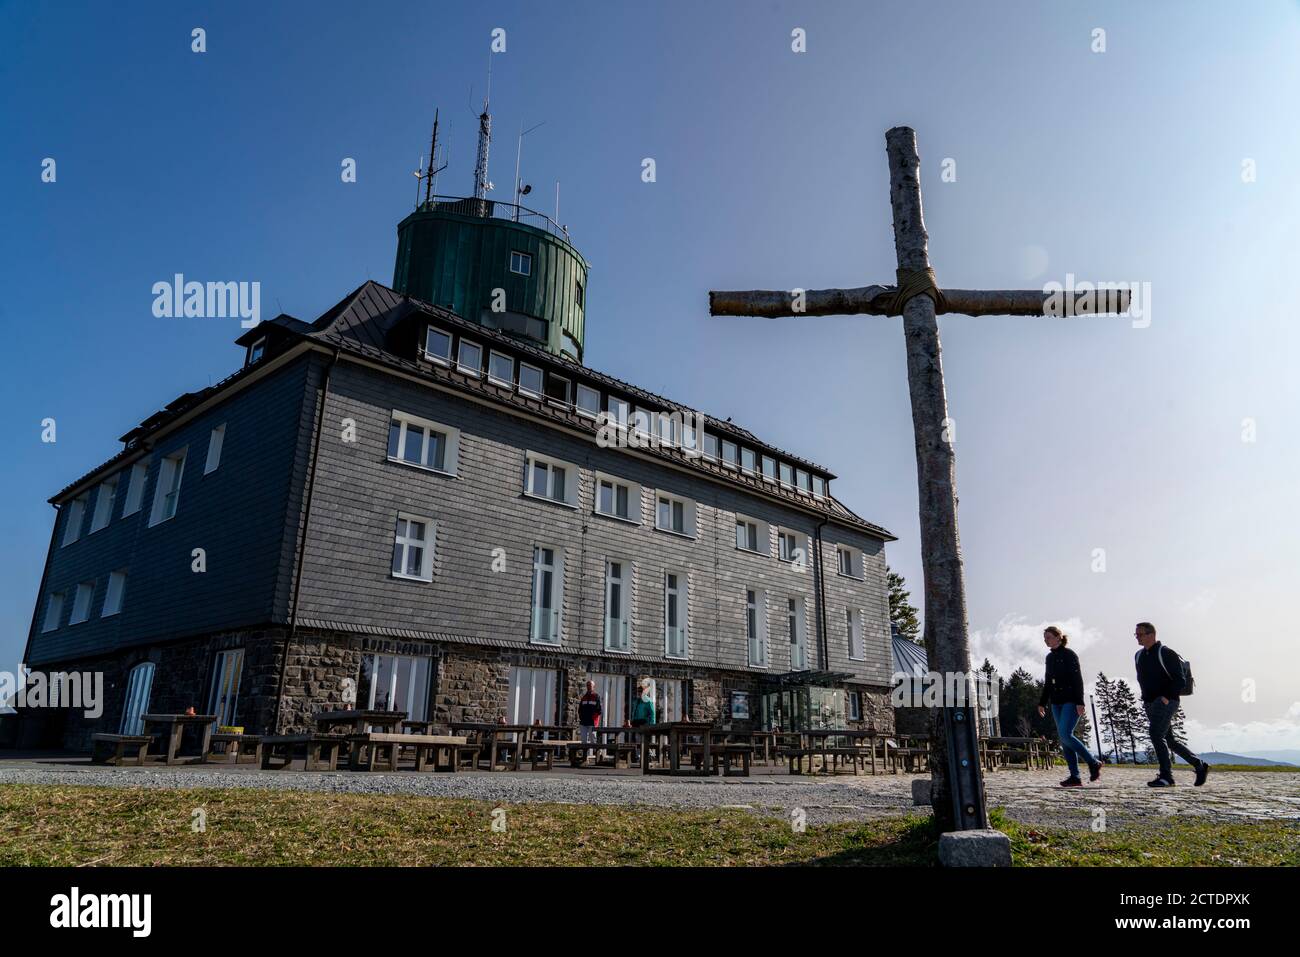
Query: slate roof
[{"x": 360, "y": 325}]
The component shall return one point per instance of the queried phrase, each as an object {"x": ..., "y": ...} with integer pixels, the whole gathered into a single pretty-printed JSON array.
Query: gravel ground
[{"x": 1028, "y": 796}]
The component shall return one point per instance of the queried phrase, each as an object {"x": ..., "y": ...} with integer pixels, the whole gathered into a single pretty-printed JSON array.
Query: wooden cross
[{"x": 957, "y": 786}]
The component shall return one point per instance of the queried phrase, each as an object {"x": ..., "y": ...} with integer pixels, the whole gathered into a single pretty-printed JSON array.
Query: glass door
[
  {"x": 226, "y": 672},
  {"x": 395, "y": 683}
]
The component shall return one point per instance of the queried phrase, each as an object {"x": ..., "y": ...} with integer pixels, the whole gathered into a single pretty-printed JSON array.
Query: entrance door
[
  {"x": 532, "y": 696},
  {"x": 670, "y": 700},
  {"x": 138, "y": 686},
  {"x": 226, "y": 672},
  {"x": 613, "y": 699}
]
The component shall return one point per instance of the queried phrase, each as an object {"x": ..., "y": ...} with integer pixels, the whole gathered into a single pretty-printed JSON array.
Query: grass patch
[{"x": 77, "y": 825}]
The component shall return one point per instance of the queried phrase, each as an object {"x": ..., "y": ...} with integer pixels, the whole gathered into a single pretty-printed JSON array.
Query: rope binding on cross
[{"x": 916, "y": 282}]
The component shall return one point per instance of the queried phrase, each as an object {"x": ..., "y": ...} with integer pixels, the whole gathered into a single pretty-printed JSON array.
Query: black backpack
[{"x": 1189, "y": 683}]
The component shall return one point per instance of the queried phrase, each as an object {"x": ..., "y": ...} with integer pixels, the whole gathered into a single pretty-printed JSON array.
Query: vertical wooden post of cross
[{"x": 946, "y": 638}]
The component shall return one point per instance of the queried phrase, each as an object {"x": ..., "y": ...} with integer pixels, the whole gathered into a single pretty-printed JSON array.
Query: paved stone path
[{"x": 1028, "y": 796}]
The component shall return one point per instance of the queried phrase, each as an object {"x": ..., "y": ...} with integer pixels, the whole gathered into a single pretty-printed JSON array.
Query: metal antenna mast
[
  {"x": 430, "y": 173},
  {"x": 481, "y": 184}
]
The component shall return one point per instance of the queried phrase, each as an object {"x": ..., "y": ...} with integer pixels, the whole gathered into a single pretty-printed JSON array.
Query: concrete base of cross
[
  {"x": 981, "y": 848},
  {"x": 921, "y": 791}
]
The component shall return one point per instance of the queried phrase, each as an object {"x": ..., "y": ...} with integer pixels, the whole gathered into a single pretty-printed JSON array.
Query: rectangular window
[
  {"x": 548, "y": 584},
  {"x": 855, "y": 705},
  {"x": 257, "y": 350},
  {"x": 530, "y": 380},
  {"x": 395, "y": 683},
  {"x": 803, "y": 480},
  {"x": 819, "y": 486},
  {"x": 588, "y": 401},
  {"x": 642, "y": 421},
  {"x": 113, "y": 596},
  {"x": 437, "y": 345},
  {"x": 791, "y": 546},
  {"x": 501, "y": 369},
  {"x": 76, "y": 516},
  {"x": 853, "y": 624},
  {"x": 618, "y": 499},
  {"x": 848, "y": 562},
  {"x": 730, "y": 456},
  {"x": 756, "y": 628},
  {"x": 53, "y": 612},
  {"x": 521, "y": 263},
  {"x": 787, "y": 474},
  {"x": 135, "y": 488},
  {"x": 618, "y": 412},
  {"x": 424, "y": 444},
  {"x": 670, "y": 699},
  {"x": 223, "y": 695},
  {"x": 557, "y": 389},
  {"x": 673, "y": 514},
  {"x": 613, "y": 698},
  {"x": 578, "y": 294},
  {"x": 532, "y": 696},
  {"x": 216, "y": 438},
  {"x": 167, "y": 495},
  {"x": 469, "y": 358},
  {"x": 747, "y": 460},
  {"x": 551, "y": 479},
  {"x": 794, "y": 621},
  {"x": 413, "y": 545},
  {"x": 752, "y": 535},
  {"x": 81, "y": 602},
  {"x": 676, "y": 603},
  {"x": 769, "y": 468},
  {"x": 105, "y": 498},
  {"x": 618, "y": 602},
  {"x": 710, "y": 447}
]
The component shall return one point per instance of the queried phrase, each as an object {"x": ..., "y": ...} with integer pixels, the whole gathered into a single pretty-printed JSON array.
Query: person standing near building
[
  {"x": 1063, "y": 690},
  {"x": 589, "y": 713},
  {"x": 1160, "y": 676}
]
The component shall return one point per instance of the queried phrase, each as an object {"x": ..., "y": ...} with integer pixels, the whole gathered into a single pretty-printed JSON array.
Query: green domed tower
[{"x": 498, "y": 264}]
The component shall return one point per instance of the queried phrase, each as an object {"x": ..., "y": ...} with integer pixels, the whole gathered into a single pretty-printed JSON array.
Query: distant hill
[
  {"x": 1222, "y": 757},
  {"x": 1286, "y": 757}
]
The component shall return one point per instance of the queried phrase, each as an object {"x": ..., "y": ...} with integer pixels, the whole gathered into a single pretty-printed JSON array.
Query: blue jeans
[{"x": 1066, "y": 717}]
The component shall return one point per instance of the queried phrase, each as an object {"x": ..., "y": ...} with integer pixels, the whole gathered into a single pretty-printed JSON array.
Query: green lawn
[{"x": 72, "y": 825}]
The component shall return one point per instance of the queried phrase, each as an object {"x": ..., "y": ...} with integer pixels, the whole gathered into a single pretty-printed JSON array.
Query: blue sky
[{"x": 1123, "y": 165}]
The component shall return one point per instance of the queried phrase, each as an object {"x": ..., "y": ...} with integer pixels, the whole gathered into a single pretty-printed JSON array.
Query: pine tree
[
  {"x": 1105, "y": 694},
  {"x": 1018, "y": 704},
  {"x": 1129, "y": 723},
  {"x": 902, "y": 613}
]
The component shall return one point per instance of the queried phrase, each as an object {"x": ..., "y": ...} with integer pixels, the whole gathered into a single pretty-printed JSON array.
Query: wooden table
[
  {"x": 388, "y": 721},
  {"x": 175, "y": 725},
  {"x": 490, "y": 738},
  {"x": 763, "y": 742},
  {"x": 810, "y": 743},
  {"x": 676, "y": 732}
]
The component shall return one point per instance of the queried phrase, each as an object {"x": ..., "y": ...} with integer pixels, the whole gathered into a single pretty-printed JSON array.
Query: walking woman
[{"x": 1063, "y": 689}]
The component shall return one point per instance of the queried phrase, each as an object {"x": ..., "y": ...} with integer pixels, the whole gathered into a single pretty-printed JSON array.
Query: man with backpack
[{"x": 1163, "y": 677}]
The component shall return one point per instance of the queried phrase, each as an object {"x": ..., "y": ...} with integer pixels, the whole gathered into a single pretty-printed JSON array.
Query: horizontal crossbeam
[{"x": 878, "y": 301}]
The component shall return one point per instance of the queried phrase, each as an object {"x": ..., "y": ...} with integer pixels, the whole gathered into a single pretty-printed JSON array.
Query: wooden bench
[
  {"x": 381, "y": 751},
  {"x": 118, "y": 745},
  {"x": 535, "y": 752},
  {"x": 722, "y": 756},
  {"x": 232, "y": 748},
  {"x": 320, "y": 751}
]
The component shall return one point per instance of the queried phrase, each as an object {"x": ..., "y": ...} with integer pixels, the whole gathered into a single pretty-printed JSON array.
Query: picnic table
[
  {"x": 676, "y": 734},
  {"x": 378, "y": 750},
  {"x": 358, "y": 719},
  {"x": 173, "y": 726},
  {"x": 834, "y": 744},
  {"x": 763, "y": 743},
  {"x": 999, "y": 752},
  {"x": 495, "y": 740}
]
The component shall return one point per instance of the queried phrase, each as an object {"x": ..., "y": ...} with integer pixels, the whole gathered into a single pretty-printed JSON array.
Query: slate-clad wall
[
  {"x": 481, "y": 514},
  {"x": 236, "y": 514}
]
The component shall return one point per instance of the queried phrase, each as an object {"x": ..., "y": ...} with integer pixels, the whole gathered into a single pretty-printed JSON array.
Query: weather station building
[{"x": 414, "y": 496}]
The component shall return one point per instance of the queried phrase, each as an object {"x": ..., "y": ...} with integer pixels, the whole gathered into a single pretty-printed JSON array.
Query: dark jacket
[
  {"x": 1159, "y": 672},
  {"x": 589, "y": 710},
  {"x": 1063, "y": 683}
]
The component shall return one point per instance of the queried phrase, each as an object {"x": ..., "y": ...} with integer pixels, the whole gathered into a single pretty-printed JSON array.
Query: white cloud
[
  {"x": 1280, "y": 734},
  {"x": 1016, "y": 642}
]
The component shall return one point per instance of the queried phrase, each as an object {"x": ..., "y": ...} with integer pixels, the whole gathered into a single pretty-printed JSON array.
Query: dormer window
[
  {"x": 470, "y": 357},
  {"x": 256, "y": 350},
  {"x": 557, "y": 389},
  {"x": 530, "y": 379},
  {"x": 521, "y": 263},
  {"x": 819, "y": 486},
  {"x": 437, "y": 346}
]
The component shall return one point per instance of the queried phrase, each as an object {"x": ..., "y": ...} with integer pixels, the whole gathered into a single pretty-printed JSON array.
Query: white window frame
[
  {"x": 531, "y": 695},
  {"x": 571, "y": 479},
  {"x": 433, "y": 356},
  {"x": 256, "y": 350},
  {"x": 803, "y": 481},
  {"x": 216, "y": 439},
  {"x": 135, "y": 704},
  {"x": 797, "y": 625},
  {"x": 450, "y": 449},
  {"x": 76, "y": 518},
  {"x": 135, "y": 487},
  {"x": 620, "y": 412},
  {"x": 857, "y": 647},
  {"x": 762, "y": 536},
  {"x": 525, "y": 260},
  {"x": 757, "y": 606},
  {"x": 418, "y": 673},
  {"x": 800, "y": 544},
  {"x": 642, "y": 422},
  {"x": 406, "y": 543},
  {"x": 710, "y": 440},
  {"x": 113, "y": 594},
  {"x": 682, "y": 593},
  {"x": 688, "y": 513},
  {"x": 633, "y": 515},
  {"x": 819, "y": 486},
  {"x": 854, "y": 560},
  {"x": 567, "y": 401},
  {"x": 474, "y": 370},
  {"x": 623, "y": 623},
  {"x": 768, "y": 460},
  {"x": 171, "y": 467},
  {"x": 541, "y": 380},
  {"x": 223, "y": 693},
  {"x": 730, "y": 454},
  {"x": 556, "y": 610},
  {"x": 81, "y": 601},
  {"x": 752, "y": 467},
  {"x": 591, "y": 413},
  {"x": 509, "y": 379},
  {"x": 105, "y": 501},
  {"x": 53, "y": 612},
  {"x": 785, "y": 474}
]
